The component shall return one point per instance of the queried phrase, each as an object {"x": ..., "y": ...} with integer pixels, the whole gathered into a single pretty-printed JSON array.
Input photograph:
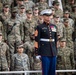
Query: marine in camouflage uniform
[
  {"x": 21, "y": 14},
  {"x": 69, "y": 31},
  {"x": 29, "y": 25},
  {"x": 35, "y": 64},
  {"x": 65, "y": 58},
  {"x": 61, "y": 32},
  {"x": 73, "y": 13},
  {"x": 3, "y": 17},
  {"x": 40, "y": 20},
  {"x": 69, "y": 39},
  {"x": 4, "y": 55},
  {"x": 74, "y": 40},
  {"x": 20, "y": 60},
  {"x": 42, "y": 4},
  {"x": 29, "y": 4},
  {"x": 13, "y": 36},
  {"x": 60, "y": 26},
  {"x": 66, "y": 15},
  {"x": 73, "y": 16},
  {"x": 36, "y": 13},
  {"x": 57, "y": 9},
  {"x": 37, "y": 16},
  {"x": 5, "y": 14}
]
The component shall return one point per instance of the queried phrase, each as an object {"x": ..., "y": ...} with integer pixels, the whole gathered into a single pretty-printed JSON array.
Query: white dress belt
[{"x": 47, "y": 40}]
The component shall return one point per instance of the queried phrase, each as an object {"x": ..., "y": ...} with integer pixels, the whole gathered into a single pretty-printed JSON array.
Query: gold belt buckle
[{"x": 50, "y": 40}]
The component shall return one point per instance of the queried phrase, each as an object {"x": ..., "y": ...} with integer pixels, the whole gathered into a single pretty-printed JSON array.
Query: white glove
[{"x": 38, "y": 57}]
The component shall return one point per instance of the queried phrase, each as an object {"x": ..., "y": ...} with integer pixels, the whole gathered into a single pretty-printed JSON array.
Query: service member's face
[
  {"x": 47, "y": 18},
  {"x": 22, "y": 10},
  {"x": 62, "y": 44},
  {"x": 20, "y": 50},
  {"x": 6, "y": 9},
  {"x": 57, "y": 19},
  {"x": 29, "y": 15},
  {"x": 36, "y": 11},
  {"x": 66, "y": 23},
  {"x": 56, "y": 6},
  {"x": 66, "y": 15},
  {"x": 14, "y": 14}
]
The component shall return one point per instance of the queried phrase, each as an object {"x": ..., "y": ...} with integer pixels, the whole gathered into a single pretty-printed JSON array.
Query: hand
[
  {"x": 8, "y": 69},
  {"x": 38, "y": 57}
]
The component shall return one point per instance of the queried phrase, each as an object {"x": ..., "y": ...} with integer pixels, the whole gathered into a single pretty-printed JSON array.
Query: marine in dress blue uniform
[{"x": 45, "y": 43}]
